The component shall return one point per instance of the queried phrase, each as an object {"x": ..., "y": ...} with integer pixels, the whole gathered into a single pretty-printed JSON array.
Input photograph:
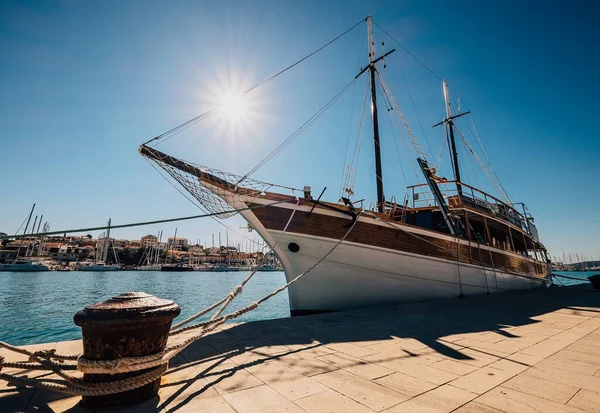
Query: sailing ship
[
  {"x": 100, "y": 263},
  {"x": 447, "y": 239}
]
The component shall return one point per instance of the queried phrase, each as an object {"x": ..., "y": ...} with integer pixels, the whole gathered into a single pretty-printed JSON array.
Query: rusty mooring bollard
[{"x": 128, "y": 325}]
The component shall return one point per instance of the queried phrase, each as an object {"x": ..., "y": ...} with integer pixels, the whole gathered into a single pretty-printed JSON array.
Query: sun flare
[
  {"x": 237, "y": 112},
  {"x": 234, "y": 107}
]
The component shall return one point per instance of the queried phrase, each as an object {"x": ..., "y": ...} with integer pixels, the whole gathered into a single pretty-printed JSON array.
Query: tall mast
[
  {"x": 25, "y": 233},
  {"x": 372, "y": 69},
  {"x": 452, "y": 146},
  {"x": 106, "y": 243}
]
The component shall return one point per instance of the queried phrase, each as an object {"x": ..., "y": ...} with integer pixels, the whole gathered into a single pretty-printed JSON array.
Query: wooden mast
[
  {"x": 452, "y": 146},
  {"x": 372, "y": 69}
]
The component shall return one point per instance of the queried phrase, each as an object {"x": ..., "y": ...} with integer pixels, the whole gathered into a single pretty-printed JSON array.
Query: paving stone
[
  {"x": 571, "y": 365},
  {"x": 361, "y": 390},
  {"x": 356, "y": 366},
  {"x": 560, "y": 376},
  {"x": 474, "y": 407},
  {"x": 579, "y": 356},
  {"x": 477, "y": 358},
  {"x": 442, "y": 399},
  {"x": 412, "y": 368},
  {"x": 262, "y": 399},
  {"x": 586, "y": 400},
  {"x": 482, "y": 380},
  {"x": 406, "y": 385},
  {"x": 331, "y": 402},
  {"x": 227, "y": 377},
  {"x": 582, "y": 348},
  {"x": 286, "y": 380},
  {"x": 545, "y": 389},
  {"x": 68, "y": 404},
  {"x": 454, "y": 367},
  {"x": 512, "y": 401},
  {"x": 306, "y": 365},
  {"x": 509, "y": 366},
  {"x": 350, "y": 349}
]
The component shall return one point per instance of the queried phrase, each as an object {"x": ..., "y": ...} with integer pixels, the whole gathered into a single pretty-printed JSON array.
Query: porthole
[{"x": 292, "y": 246}]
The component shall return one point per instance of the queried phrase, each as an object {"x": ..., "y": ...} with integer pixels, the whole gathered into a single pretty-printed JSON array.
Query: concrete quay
[{"x": 523, "y": 351}]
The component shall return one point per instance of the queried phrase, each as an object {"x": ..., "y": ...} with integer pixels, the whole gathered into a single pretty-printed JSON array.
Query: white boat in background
[
  {"x": 100, "y": 264},
  {"x": 96, "y": 266},
  {"x": 24, "y": 266},
  {"x": 269, "y": 268}
]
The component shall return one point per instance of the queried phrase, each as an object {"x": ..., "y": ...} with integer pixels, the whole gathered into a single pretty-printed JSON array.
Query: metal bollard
[{"x": 129, "y": 325}]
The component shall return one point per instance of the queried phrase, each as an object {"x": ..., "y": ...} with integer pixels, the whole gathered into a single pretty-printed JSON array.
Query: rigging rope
[
  {"x": 483, "y": 168},
  {"x": 408, "y": 51},
  {"x": 237, "y": 290},
  {"x": 350, "y": 176},
  {"x": 190, "y": 122},
  {"x": 138, "y": 224},
  {"x": 298, "y": 131}
]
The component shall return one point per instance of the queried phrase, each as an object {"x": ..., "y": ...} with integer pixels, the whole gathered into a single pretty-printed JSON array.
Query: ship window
[{"x": 292, "y": 246}]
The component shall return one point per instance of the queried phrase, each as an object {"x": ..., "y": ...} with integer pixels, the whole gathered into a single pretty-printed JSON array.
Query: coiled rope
[{"x": 158, "y": 363}]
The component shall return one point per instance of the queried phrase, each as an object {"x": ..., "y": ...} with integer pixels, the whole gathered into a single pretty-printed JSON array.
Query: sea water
[
  {"x": 582, "y": 277},
  {"x": 38, "y": 307}
]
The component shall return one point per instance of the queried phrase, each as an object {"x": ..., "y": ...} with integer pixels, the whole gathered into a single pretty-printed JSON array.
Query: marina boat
[
  {"x": 224, "y": 268},
  {"x": 176, "y": 268},
  {"x": 24, "y": 266},
  {"x": 100, "y": 264},
  {"x": 96, "y": 266},
  {"x": 446, "y": 238},
  {"x": 269, "y": 268}
]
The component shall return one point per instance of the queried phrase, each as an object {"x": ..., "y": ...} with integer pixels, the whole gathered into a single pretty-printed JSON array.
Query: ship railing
[{"x": 471, "y": 197}]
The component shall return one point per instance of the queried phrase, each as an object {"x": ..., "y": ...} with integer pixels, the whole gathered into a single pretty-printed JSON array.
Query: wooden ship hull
[{"x": 380, "y": 262}]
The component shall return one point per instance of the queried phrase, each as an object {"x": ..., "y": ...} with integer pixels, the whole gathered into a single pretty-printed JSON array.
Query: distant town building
[
  {"x": 65, "y": 252},
  {"x": 195, "y": 248},
  {"x": 148, "y": 241},
  {"x": 178, "y": 243},
  {"x": 120, "y": 243}
]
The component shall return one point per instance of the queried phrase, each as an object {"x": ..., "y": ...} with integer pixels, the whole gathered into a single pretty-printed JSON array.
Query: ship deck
[{"x": 521, "y": 351}]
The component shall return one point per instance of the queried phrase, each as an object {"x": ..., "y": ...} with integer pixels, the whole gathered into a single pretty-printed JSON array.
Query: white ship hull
[{"x": 359, "y": 276}]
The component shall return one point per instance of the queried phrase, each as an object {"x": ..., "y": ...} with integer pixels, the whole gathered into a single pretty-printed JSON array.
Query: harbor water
[{"x": 38, "y": 307}]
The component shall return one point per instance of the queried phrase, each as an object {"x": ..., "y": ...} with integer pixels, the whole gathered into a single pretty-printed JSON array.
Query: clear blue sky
[{"x": 84, "y": 83}]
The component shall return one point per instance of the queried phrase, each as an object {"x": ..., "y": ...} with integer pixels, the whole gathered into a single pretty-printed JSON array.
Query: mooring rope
[
  {"x": 157, "y": 362},
  {"x": 238, "y": 289}
]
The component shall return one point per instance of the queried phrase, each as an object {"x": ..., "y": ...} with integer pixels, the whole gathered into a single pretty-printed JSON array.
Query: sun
[
  {"x": 237, "y": 111},
  {"x": 233, "y": 107}
]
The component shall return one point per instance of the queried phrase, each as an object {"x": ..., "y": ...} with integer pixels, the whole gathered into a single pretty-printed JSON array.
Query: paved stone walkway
[{"x": 527, "y": 351}]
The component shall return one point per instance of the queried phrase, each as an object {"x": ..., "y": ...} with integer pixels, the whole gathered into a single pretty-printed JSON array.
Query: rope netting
[{"x": 213, "y": 190}]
